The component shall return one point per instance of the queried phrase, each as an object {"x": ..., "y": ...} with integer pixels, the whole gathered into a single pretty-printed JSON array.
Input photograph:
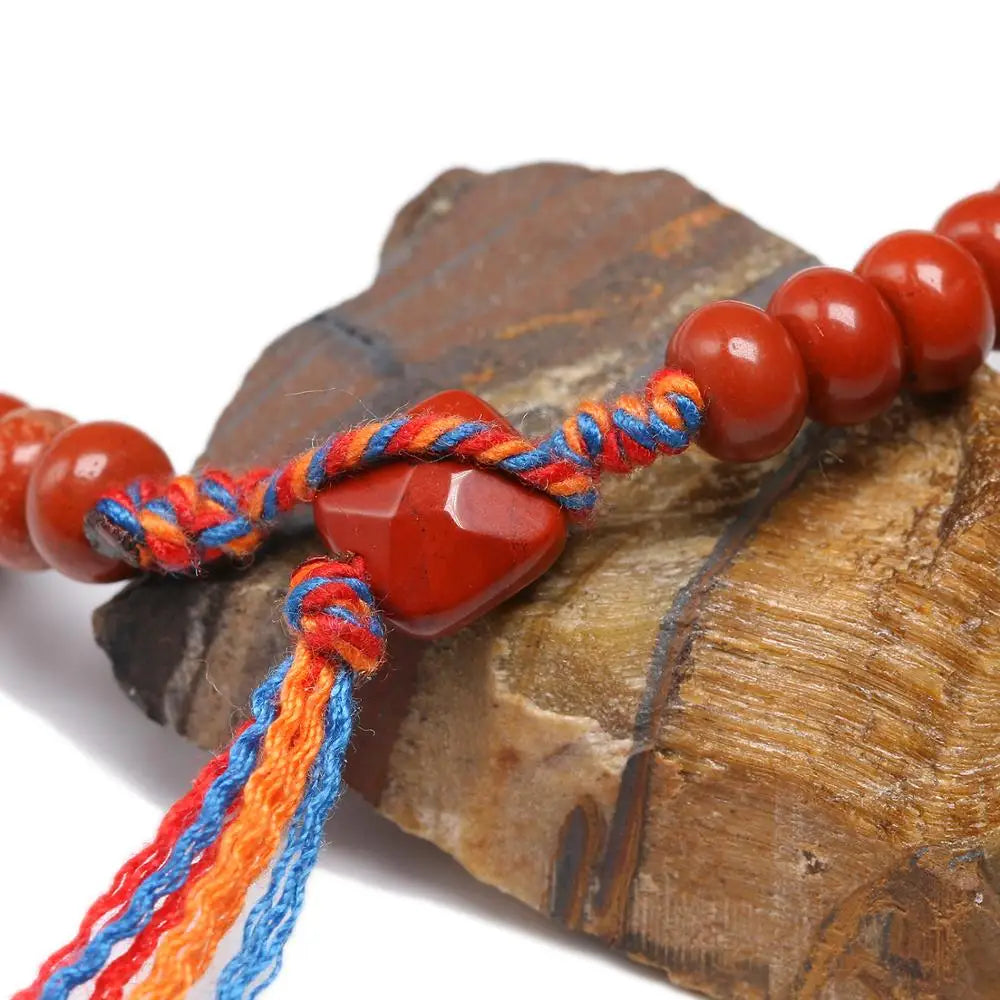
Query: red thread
[{"x": 132, "y": 873}]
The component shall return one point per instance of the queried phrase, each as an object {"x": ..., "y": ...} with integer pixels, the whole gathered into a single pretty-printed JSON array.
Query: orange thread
[{"x": 248, "y": 843}]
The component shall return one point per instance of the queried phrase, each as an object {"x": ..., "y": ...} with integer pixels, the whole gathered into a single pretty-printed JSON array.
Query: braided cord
[
  {"x": 195, "y": 520},
  {"x": 272, "y": 919},
  {"x": 131, "y": 875},
  {"x": 262, "y": 800}
]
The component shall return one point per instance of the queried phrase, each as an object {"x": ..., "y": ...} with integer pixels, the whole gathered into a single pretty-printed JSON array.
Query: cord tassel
[
  {"x": 272, "y": 788},
  {"x": 273, "y": 917}
]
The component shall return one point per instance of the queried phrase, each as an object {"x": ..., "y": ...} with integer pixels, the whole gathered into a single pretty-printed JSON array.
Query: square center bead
[{"x": 444, "y": 541}]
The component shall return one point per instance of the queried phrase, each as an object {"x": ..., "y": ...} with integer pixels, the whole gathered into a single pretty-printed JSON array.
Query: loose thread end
[{"x": 263, "y": 801}]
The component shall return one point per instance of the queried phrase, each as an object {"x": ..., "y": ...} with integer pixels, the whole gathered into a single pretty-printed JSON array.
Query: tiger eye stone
[
  {"x": 444, "y": 542},
  {"x": 24, "y": 436}
]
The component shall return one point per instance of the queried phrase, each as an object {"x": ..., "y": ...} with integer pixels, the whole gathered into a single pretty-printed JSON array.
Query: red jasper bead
[
  {"x": 974, "y": 223},
  {"x": 849, "y": 339},
  {"x": 444, "y": 542},
  {"x": 78, "y": 467},
  {"x": 8, "y": 403},
  {"x": 24, "y": 435},
  {"x": 752, "y": 375},
  {"x": 939, "y": 295}
]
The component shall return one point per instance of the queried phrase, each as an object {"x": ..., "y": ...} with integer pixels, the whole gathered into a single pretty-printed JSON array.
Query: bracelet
[{"x": 444, "y": 512}]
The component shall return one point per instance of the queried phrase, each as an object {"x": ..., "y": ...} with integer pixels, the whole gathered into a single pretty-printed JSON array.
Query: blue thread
[
  {"x": 214, "y": 490},
  {"x": 359, "y": 587},
  {"x": 638, "y": 431},
  {"x": 120, "y": 516},
  {"x": 689, "y": 411},
  {"x": 293, "y": 602},
  {"x": 272, "y": 919},
  {"x": 316, "y": 472},
  {"x": 590, "y": 431},
  {"x": 194, "y": 840},
  {"x": 669, "y": 436},
  {"x": 586, "y": 500},
  {"x": 381, "y": 438},
  {"x": 223, "y": 534},
  {"x": 269, "y": 505},
  {"x": 164, "y": 508},
  {"x": 343, "y": 614},
  {"x": 527, "y": 461},
  {"x": 450, "y": 440},
  {"x": 557, "y": 444}
]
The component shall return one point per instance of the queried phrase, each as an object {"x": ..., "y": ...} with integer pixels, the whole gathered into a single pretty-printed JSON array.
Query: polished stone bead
[
  {"x": 24, "y": 435},
  {"x": 8, "y": 403},
  {"x": 751, "y": 373},
  {"x": 849, "y": 340},
  {"x": 444, "y": 542},
  {"x": 974, "y": 223},
  {"x": 80, "y": 465},
  {"x": 939, "y": 295}
]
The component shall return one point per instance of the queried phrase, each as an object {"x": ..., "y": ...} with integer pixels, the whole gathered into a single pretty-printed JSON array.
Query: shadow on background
[{"x": 50, "y": 664}]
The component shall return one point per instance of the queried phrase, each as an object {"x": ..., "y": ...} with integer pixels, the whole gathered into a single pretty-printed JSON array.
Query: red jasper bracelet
[
  {"x": 437, "y": 544},
  {"x": 918, "y": 312}
]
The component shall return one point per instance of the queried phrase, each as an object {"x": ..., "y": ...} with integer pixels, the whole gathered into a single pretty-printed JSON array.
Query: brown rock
[{"x": 746, "y": 729}]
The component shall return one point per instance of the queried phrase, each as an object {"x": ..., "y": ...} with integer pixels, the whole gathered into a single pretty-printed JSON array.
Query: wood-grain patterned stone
[{"x": 746, "y": 730}]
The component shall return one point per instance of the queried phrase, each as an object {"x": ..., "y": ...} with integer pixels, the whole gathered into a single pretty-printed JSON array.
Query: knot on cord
[
  {"x": 330, "y": 609},
  {"x": 192, "y": 520}
]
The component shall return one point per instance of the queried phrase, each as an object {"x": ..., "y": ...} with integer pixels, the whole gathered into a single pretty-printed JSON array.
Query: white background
[{"x": 181, "y": 182}]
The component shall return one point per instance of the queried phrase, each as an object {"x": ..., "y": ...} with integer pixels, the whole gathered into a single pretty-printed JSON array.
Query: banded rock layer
[{"x": 747, "y": 729}]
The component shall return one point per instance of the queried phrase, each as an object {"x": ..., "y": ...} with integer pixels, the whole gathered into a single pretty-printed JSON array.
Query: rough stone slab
[{"x": 747, "y": 729}]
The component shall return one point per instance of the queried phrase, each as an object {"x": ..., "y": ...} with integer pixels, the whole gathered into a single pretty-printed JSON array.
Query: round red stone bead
[
  {"x": 78, "y": 467},
  {"x": 443, "y": 542},
  {"x": 24, "y": 435},
  {"x": 849, "y": 340},
  {"x": 940, "y": 297},
  {"x": 974, "y": 223},
  {"x": 752, "y": 375},
  {"x": 8, "y": 403}
]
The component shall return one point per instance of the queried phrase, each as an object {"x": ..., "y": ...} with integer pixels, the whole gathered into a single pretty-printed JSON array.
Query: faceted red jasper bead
[
  {"x": 444, "y": 542},
  {"x": 752, "y": 375},
  {"x": 849, "y": 340},
  {"x": 939, "y": 295},
  {"x": 24, "y": 434},
  {"x": 78, "y": 467},
  {"x": 8, "y": 403},
  {"x": 974, "y": 223}
]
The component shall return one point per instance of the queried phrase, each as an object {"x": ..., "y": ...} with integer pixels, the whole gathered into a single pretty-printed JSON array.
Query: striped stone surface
[{"x": 746, "y": 729}]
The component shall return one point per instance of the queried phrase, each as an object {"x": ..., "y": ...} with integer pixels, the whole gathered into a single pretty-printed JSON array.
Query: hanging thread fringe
[
  {"x": 194, "y": 520},
  {"x": 261, "y": 802}
]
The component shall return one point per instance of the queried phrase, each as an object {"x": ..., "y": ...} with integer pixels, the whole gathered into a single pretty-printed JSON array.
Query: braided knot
[
  {"x": 331, "y": 610},
  {"x": 633, "y": 431},
  {"x": 176, "y": 527},
  {"x": 193, "y": 520}
]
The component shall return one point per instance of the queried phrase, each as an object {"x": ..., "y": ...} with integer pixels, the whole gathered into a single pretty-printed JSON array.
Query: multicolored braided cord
[
  {"x": 193, "y": 520},
  {"x": 277, "y": 781},
  {"x": 264, "y": 800}
]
